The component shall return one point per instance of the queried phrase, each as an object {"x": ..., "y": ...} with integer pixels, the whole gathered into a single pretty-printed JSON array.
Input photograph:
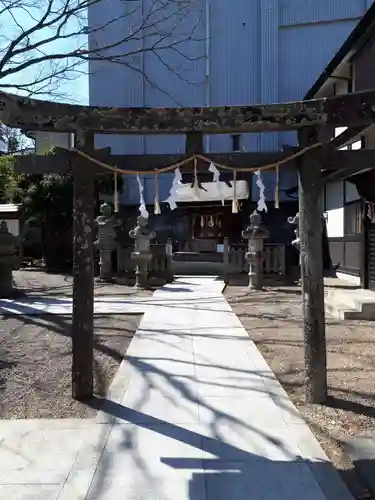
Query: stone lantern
[
  {"x": 141, "y": 255},
  {"x": 255, "y": 233},
  {"x": 106, "y": 241},
  {"x": 8, "y": 259}
]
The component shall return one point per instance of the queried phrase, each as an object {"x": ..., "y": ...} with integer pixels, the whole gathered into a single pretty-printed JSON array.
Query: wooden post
[
  {"x": 226, "y": 260},
  {"x": 83, "y": 276},
  {"x": 169, "y": 261},
  {"x": 310, "y": 186}
]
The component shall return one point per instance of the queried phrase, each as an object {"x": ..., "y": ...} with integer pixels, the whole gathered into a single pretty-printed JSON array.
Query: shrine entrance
[{"x": 314, "y": 156}]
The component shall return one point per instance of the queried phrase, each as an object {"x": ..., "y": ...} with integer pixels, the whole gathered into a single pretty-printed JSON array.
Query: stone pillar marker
[
  {"x": 8, "y": 258},
  {"x": 106, "y": 241},
  {"x": 141, "y": 255},
  {"x": 255, "y": 233}
]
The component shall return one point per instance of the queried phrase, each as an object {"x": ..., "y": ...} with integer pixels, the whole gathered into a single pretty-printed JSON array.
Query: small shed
[{"x": 10, "y": 212}]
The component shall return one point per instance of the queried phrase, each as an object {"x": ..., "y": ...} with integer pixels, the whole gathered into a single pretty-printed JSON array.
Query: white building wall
[
  {"x": 334, "y": 207},
  {"x": 46, "y": 141}
]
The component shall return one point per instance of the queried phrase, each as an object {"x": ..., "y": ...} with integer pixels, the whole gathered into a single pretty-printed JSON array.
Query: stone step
[
  {"x": 341, "y": 311},
  {"x": 197, "y": 268},
  {"x": 350, "y": 303}
]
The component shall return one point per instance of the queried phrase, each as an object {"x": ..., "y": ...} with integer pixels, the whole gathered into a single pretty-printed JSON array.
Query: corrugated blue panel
[
  {"x": 293, "y": 12},
  {"x": 130, "y": 191},
  {"x": 165, "y": 144},
  {"x": 113, "y": 84},
  {"x": 304, "y": 53},
  {"x": 288, "y": 179},
  {"x": 269, "y": 64},
  {"x": 120, "y": 144},
  {"x": 174, "y": 67},
  {"x": 234, "y": 60},
  {"x": 174, "y": 76}
]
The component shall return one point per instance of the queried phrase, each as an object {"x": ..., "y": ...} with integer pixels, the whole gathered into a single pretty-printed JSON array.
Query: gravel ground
[
  {"x": 272, "y": 319},
  {"x": 34, "y": 282},
  {"x": 35, "y": 363},
  {"x": 35, "y": 351}
]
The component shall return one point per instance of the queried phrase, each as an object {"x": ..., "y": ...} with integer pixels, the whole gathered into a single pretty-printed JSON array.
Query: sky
[{"x": 70, "y": 91}]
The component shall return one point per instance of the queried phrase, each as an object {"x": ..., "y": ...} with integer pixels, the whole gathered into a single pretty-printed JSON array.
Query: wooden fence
[
  {"x": 274, "y": 259},
  {"x": 233, "y": 259},
  {"x": 158, "y": 264}
]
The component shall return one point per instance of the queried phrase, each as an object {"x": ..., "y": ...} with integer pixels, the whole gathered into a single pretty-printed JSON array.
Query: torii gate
[{"x": 310, "y": 118}]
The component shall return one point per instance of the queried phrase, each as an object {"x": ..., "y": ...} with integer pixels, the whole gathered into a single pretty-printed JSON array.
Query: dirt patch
[
  {"x": 35, "y": 363},
  {"x": 273, "y": 321}
]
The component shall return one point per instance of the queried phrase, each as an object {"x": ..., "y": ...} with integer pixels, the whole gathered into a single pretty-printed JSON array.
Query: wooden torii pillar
[
  {"x": 310, "y": 184},
  {"x": 83, "y": 271}
]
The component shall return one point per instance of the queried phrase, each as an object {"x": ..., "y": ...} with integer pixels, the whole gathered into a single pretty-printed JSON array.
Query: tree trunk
[
  {"x": 310, "y": 187},
  {"x": 83, "y": 281}
]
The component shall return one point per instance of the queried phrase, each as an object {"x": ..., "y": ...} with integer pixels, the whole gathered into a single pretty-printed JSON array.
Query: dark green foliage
[
  {"x": 47, "y": 202},
  {"x": 8, "y": 180}
]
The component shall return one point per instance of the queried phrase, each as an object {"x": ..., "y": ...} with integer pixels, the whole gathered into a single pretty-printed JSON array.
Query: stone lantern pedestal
[
  {"x": 8, "y": 260},
  {"x": 106, "y": 241},
  {"x": 255, "y": 233},
  {"x": 141, "y": 255}
]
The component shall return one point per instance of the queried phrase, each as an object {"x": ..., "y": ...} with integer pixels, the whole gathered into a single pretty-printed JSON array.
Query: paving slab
[
  {"x": 39, "y": 451},
  {"x": 135, "y": 464},
  {"x": 29, "y": 491}
]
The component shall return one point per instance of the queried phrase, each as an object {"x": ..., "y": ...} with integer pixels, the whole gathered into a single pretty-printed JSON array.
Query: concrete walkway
[{"x": 194, "y": 413}]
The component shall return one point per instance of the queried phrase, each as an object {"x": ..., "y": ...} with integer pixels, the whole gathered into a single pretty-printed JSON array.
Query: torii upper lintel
[{"x": 354, "y": 109}]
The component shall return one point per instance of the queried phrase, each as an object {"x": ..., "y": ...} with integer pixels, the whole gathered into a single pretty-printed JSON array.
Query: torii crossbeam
[{"x": 33, "y": 114}]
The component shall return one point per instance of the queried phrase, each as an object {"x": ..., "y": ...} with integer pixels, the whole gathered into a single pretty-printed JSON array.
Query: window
[
  {"x": 236, "y": 142},
  {"x": 352, "y": 218}
]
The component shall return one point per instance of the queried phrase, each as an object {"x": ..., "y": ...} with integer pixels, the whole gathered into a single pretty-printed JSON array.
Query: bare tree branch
[
  {"x": 14, "y": 140},
  {"x": 46, "y": 42}
]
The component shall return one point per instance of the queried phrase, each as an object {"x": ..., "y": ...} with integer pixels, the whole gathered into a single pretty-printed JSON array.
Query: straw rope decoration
[
  {"x": 115, "y": 196},
  {"x": 157, "y": 210},
  {"x": 234, "y": 201},
  {"x": 195, "y": 158},
  {"x": 269, "y": 166},
  {"x": 277, "y": 188},
  {"x": 196, "y": 185}
]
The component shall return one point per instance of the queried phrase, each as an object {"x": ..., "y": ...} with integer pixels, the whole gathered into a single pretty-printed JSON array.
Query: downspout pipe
[{"x": 207, "y": 66}]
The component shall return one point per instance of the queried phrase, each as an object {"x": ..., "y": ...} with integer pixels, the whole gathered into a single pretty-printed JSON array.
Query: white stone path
[
  {"x": 194, "y": 413},
  {"x": 64, "y": 305}
]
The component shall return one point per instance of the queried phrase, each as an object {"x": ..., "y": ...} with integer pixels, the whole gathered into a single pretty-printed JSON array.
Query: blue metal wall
[{"x": 243, "y": 52}]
